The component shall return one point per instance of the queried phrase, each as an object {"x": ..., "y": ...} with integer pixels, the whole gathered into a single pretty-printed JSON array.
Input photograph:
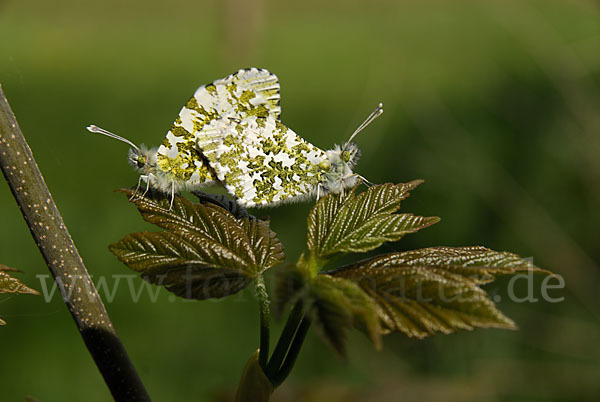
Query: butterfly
[{"x": 230, "y": 133}]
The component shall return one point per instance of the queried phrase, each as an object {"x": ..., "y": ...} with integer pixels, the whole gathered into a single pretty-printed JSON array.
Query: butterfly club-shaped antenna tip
[
  {"x": 98, "y": 130},
  {"x": 374, "y": 114}
]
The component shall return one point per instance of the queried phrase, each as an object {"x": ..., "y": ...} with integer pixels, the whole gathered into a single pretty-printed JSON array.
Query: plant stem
[
  {"x": 52, "y": 238},
  {"x": 292, "y": 355},
  {"x": 286, "y": 337},
  {"x": 265, "y": 320}
]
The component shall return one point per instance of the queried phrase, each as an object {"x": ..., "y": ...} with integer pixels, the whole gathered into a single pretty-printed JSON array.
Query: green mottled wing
[
  {"x": 261, "y": 161},
  {"x": 249, "y": 92}
]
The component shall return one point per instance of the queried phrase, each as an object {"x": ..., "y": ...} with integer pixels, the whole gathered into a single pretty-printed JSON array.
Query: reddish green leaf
[
  {"x": 421, "y": 292},
  {"x": 206, "y": 251},
  {"x": 476, "y": 263},
  {"x": 358, "y": 223},
  {"x": 335, "y": 305},
  {"x": 9, "y": 284}
]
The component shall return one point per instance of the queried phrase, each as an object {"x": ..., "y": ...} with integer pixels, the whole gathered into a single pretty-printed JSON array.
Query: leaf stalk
[
  {"x": 265, "y": 320},
  {"x": 292, "y": 354},
  {"x": 285, "y": 339}
]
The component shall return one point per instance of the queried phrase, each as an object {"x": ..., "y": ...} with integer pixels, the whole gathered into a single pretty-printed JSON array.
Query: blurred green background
[{"x": 495, "y": 103}]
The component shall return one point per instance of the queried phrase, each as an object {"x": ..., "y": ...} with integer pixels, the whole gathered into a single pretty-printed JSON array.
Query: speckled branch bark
[{"x": 63, "y": 260}]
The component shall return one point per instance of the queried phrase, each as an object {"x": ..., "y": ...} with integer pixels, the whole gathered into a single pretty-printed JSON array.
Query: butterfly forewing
[{"x": 247, "y": 93}]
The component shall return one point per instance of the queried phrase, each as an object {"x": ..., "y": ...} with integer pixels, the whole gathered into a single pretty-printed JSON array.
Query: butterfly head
[
  {"x": 342, "y": 158},
  {"x": 142, "y": 159},
  {"x": 339, "y": 164},
  {"x": 350, "y": 154}
]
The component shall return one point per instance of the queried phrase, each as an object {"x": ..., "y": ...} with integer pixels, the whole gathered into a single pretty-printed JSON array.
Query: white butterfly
[{"x": 230, "y": 133}]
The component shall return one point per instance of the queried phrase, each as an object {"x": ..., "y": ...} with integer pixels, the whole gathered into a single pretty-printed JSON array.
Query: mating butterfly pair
[{"x": 230, "y": 133}]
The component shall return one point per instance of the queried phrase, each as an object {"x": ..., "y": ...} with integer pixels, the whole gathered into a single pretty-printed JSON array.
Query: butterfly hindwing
[
  {"x": 246, "y": 93},
  {"x": 261, "y": 161}
]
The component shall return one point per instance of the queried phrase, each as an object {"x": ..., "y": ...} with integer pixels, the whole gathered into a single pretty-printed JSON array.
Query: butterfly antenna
[
  {"x": 98, "y": 130},
  {"x": 375, "y": 114}
]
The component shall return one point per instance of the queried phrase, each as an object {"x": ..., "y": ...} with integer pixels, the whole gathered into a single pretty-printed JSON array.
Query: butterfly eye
[
  {"x": 346, "y": 156},
  {"x": 141, "y": 161}
]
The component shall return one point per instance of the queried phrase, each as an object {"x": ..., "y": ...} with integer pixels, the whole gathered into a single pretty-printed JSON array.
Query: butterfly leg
[
  {"x": 318, "y": 191},
  {"x": 365, "y": 181},
  {"x": 147, "y": 178},
  {"x": 136, "y": 189},
  {"x": 172, "y": 194}
]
